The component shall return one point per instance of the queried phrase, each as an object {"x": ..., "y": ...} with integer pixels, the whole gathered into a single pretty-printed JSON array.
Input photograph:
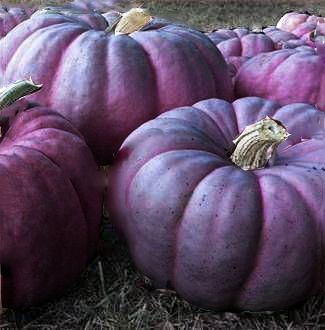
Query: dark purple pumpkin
[
  {"x": 286, "y": 76},
  {"x": 50, "y": 206},
  {"x": 108, "y": 85},
  {"x": 12, "y": 16},
  {"x": 222, "y": 237}
]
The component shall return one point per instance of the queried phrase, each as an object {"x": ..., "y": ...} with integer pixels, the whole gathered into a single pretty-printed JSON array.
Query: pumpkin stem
[
  {"x": 131, "y": 21},
  {"x": 257, "y": 143},
  {"x": 17, "y": 90}
]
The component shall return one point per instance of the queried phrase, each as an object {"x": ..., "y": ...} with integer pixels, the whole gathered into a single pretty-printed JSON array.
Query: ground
[{"x": 111, "y": 294}]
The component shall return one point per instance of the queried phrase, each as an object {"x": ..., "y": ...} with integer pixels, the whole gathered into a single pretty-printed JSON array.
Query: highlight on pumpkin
[
  {"x": 15, "y": 91},
  {"x": 257, "y": 143},
  {"x": 133, "y": 20}
]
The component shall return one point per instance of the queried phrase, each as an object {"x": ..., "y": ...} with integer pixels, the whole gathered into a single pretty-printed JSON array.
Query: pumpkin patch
[{"x": 213, "y": 153}]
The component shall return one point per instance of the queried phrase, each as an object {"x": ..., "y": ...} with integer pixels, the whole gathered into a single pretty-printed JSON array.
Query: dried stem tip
[
  {"x": 133, "y": 20},
  {"x": 257, "y": 143},
  {"x": 15, "y": 91}
]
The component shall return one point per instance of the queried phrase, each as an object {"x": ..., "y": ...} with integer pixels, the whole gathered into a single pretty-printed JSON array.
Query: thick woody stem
[
  {"x": 131, "y": 21},
  {"x": 17, "y": 90},
  {"x": 257, "y": 143}
]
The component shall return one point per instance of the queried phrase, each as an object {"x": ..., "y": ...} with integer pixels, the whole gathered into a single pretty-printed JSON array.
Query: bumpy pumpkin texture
[
  {"x": 106, "y": 84},
  {"x": 286, "y": 76},
  {"x": 51, "y": 205},
  {"x": 239, "y": 44},
  {"x": 224, "y": 238}
]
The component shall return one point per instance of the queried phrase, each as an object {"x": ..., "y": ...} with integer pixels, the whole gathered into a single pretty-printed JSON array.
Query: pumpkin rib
[
  {"x": 258, "y": 245},
  {"x": 205, "y": 109},
  {"x": 58, "y": 61},
  {"x": 178, "y": 223},
  {"x": 153, "y": 70},
  {"x": 255, "y": 279},
  {"x": 317, "y": 224}
]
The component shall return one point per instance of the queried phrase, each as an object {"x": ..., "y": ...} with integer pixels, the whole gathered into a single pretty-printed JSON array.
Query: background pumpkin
[
  {"x": 224, "y": 238},
  {"x": 286, "y": 76},
  {"x": 51, "y": 205},
  {"x": 108, "y": 85},
  {"x": 290, "y": 21},
  {"x": 11, "y": 16},
  {"x": 241, "y": 43}
]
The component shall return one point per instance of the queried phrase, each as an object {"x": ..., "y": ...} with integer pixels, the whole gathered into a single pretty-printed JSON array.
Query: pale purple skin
[
  {"x": 286, "y": 76},
  {"x": 241, "y": 42},
  {"x": 97, "y": 5},
  {"x": 51, "y": 206},
  {"x": 10, "y": 17},
  {"x": 108, "y": 85},
  {"x": 290, "y": 21},
  {"x": 221, "y": 237}
]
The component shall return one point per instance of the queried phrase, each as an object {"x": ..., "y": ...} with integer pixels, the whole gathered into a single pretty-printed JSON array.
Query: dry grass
[{"x": 111, "y": 294}]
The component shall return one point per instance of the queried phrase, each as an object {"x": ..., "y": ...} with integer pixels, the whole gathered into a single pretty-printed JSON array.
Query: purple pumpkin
[
  {"x": 221, "y": 237},
  {"x": 51, "y": 205},
  {"x": 286, "y": 76},
  {"x": 241, "y": 42},
  {"x": 107, "y": 84},
  {"x": 12, "y": 16},
  {"x": 279, "y": 37}
]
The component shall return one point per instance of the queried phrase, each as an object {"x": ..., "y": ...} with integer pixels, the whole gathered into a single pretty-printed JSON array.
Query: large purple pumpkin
[
  {"x": 107, "y": 84},
  {"x": 12, "y": 16},
  {"x": 222, "y": 237},
  {"x": 51, "y": 205},
  {"x": 286, "y": 76}
]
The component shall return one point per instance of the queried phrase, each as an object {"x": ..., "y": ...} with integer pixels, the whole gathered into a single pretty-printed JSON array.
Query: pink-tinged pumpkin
[
  {"x": 286, "y": 76},
  {"x": 50, "y": 206},
  {"x": 241, "y": 42},
  {"x": 107, "y": 84},
  {"x": 290, "y": 21},
  {"x": 279, "y": 37},
  {"x": 221, "y": 237},
  {"x": 12, "y": 16}
]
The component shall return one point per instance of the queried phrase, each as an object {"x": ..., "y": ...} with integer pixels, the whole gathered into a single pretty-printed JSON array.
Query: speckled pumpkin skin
[
  {"x": 50, "y": 206},
  {"x": 108, "y": 85},
  {"x": 286, "y": 76},
  {"x": 224, "y": 238}
]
